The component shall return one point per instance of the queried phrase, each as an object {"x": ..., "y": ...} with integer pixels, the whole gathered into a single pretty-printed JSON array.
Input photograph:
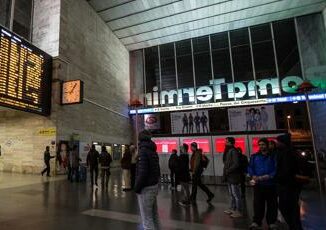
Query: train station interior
[{"x": 83, "y": 77}]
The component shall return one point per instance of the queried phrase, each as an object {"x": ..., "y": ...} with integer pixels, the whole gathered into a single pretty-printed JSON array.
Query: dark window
[
  {"x": 168, "y": 74},
  {"x": 298, "y": 112},
  {"x": 5, "y": 12},
  {"x": 152, "y": 69},
  {"x": 184, "y": 63},
  {"x": 221, "y": 57},
  {"x": 203, "y": 70},
  {"x": 281, "y": 125},
  {"x": 241, "y": 55},
  {"x": 287, "y": 48},
  {"x": 279, "y": 113},
  {"x": 299, "y": 125},
  {"x": 23, "y": 18}
]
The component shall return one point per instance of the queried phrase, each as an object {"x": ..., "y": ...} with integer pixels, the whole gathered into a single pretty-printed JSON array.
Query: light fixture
[{"x": 288, "y": 117}]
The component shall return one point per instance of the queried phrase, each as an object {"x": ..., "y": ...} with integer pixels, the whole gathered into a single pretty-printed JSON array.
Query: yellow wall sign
[{"x": 47, "y": 132}]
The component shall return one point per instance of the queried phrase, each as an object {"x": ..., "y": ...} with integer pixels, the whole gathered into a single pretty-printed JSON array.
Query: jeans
[
  {"x": 73, "y": 171},
  {"x": 196, "y": 182},
  {"x": 265, "y": 195},
  {"x": 147, "y": 201},
  {"x": 105, "y": 175},
  {"x": 92, "y": 170},
  {"x": 174, "y": 182},
  {"x": 235, "y": 193},
  {"x": 185, "y": 190},
  {"x": 47, "y": 169}
]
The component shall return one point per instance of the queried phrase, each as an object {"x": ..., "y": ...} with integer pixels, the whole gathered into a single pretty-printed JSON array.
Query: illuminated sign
[
  {"x": 288, "y": 99},
  {"x": 214, "y": 90},
  {"x": 25, "y": 75},
  {"x": 166, "y": 145},
  {"x": 202, "y": 143},
  {"x": 240, "y": 142}
]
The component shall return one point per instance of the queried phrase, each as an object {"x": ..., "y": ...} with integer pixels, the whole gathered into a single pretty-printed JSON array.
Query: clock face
[{"x": 72, "y": 92}]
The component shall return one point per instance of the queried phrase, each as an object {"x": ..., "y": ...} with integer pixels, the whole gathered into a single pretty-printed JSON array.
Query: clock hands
[{"x": 73, "y": 88}]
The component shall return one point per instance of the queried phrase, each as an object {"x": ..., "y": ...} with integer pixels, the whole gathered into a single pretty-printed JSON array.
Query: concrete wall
[
  {"x": 22, "y": 144},
  {"x": 46, "y": 25},
  {"x": 91, "y": 52}
]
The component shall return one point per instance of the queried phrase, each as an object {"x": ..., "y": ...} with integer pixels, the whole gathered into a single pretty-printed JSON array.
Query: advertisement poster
[
  {"x": 254, "y": 118},
  {"x": 152, "y": 121},
  {"x": 190, "y": 122}
]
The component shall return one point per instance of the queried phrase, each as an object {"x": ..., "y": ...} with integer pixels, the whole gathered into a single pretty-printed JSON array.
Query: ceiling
[{"x": 144, "y": 23}]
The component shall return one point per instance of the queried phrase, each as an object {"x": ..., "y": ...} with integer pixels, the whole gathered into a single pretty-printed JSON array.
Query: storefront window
[
  {"x": 23, "y": 18},
  {"x": 168, "y": 73},
  {"x": 5, "y": 12}
]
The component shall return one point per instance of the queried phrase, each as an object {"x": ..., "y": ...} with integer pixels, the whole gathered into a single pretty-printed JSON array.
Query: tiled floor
[{"x": 31, "y": 202}]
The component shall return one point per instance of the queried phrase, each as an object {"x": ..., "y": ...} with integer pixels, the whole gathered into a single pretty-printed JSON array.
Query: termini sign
[{"x": 236, "y": 90}]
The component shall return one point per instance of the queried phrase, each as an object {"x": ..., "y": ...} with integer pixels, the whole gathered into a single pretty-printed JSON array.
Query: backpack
[
  {"x": 204, "y": 161},
  {"x": 243, "y": 163}
]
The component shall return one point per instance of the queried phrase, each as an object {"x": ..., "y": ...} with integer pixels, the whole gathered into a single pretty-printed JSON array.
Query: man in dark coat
[
  {"x": 183, "y": 174},
  {"x": 105, "y": 161},
  {"x": 233, "y": 176},
  {"x": 287, "y": 184},
  {"x": 173, "y": 166},
  {"x": 92, "y": 162},
  {"x": 197, "y": 172},
  {"x": 47, "y": 158},
  {"x": 147, "y": 178}
]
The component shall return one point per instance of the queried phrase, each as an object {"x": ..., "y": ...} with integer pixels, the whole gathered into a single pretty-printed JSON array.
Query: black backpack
[{"x": 204, "y": 161}]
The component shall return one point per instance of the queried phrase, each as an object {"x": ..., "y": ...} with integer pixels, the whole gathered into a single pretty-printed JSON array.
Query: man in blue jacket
[
  {"x": 147, "y": 178},
  {"x": 262, "y": 169}
]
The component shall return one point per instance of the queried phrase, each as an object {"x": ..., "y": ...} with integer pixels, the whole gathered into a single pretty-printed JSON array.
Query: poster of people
[
  {"x": 254, "y": 118},
  {"x": 190, "y": 122}
]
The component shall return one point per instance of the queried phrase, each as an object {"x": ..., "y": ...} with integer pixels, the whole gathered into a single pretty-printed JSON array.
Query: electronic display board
[{"x": 25, "y": 75}]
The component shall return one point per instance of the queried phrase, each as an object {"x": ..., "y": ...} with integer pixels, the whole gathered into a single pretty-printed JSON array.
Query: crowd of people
[{"x": 274, "y": 172}]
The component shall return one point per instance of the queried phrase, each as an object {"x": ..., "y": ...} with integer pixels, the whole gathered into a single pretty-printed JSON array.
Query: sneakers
[
  {"x": 229, "y": 211},
  {"x": 273, "y": 227},
  {"x": 236, "y": 214},
  {"x": 254, "y": 226},
  {"x": 210, "y": 198}
]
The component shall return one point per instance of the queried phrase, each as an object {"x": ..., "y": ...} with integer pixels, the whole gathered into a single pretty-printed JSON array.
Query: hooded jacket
[{"x": 148, "y": 167}]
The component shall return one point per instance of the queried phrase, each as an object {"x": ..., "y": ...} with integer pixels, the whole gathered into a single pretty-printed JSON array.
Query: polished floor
[{"x": 33, "y": 202}]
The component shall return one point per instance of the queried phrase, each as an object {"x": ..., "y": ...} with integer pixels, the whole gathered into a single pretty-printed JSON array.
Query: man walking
[
  {"x": 73, "y": 164},
  {"x": 47, "y": 158},
  {"x": 183, "y": 174},
  {"x": 105, "y": 161},
  {"x": 147, "y": 178},
  {"x": 262, "y": 170},
  {"x": 197, "y": 171},
  {"x": 233, "y": 175},
  {"x": 92, "y": 162},
  {"x": 173, "y": 166}
]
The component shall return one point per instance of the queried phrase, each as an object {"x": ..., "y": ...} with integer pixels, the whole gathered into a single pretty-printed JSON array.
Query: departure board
[{"x": 25, "y": 75}]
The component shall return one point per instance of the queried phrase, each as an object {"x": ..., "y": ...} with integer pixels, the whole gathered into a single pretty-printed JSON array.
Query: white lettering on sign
[{"x": 213, "y": 91}]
